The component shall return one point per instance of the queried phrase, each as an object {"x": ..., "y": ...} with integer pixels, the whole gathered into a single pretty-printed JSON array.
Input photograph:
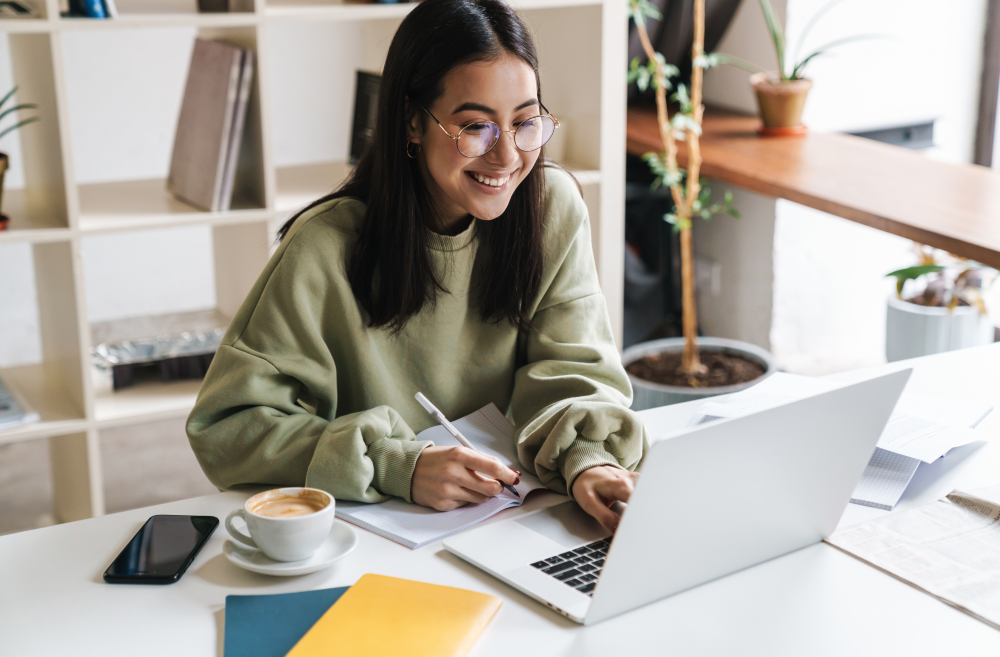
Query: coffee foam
[{"x": 279, "y": 504}]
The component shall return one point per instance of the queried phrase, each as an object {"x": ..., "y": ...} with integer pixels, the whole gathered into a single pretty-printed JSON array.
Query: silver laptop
[{"x": 711, "y": 500}]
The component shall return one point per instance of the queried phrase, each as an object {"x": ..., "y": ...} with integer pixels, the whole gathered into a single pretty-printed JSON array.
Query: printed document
[
  {"x": 921, "y": 429},
  {"x": 415, "y": 526},
  {"x": 949, "y": 549}
]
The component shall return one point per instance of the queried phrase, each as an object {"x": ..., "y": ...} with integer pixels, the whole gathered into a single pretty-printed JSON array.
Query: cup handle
[{"x": 235, "y": 533}]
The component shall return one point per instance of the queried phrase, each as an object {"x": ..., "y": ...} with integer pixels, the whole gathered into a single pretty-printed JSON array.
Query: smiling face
[{"x": 503, "y": 91}]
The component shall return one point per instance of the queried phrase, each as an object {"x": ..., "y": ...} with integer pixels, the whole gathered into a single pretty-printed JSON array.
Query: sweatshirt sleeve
[
  {"x": 266, "y": 412},
  {"x": 571, "y": 395}
]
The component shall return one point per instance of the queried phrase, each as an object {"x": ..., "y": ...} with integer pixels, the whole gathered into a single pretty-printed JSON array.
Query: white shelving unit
[{"x": 582, "y": 46}]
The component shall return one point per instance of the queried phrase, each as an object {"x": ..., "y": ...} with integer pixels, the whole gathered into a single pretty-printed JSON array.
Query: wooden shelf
[
  {"x": 25, "y": 25},
  {"x": 949, "y": 206},
  {"x": 58, "y": 414},
  {"x": 24, "y": 227},
  {"x": 151, "y": 20},
  {"x": 142, "y": 204},
  {"x": 145, "y": 402},
  {"x": 338, "y": 11}
]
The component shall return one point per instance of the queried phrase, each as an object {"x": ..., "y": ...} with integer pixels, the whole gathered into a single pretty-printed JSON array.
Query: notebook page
[{"x": 414, "y": 525}]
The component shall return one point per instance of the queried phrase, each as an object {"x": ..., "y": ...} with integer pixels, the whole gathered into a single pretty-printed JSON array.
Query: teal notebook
[{"x": 271, "y": 625}]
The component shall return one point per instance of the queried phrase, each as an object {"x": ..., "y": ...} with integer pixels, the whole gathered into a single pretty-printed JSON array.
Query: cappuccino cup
[{"x": 286, "y": 524}]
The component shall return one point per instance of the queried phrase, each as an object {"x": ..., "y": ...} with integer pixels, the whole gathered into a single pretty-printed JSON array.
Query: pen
[{"x": 450, "y": 428}]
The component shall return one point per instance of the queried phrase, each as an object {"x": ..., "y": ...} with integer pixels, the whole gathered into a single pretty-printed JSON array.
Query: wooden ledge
[{"x": 950, "y": 206}]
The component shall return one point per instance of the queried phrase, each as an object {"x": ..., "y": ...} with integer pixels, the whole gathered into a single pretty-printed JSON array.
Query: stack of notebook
[
  {"x": 426, "y": 619},
  {"x": 210, "y": 128}
]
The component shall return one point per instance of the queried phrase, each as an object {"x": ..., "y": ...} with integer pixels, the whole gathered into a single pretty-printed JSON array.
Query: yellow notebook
[{"x": 387, "y": 616}]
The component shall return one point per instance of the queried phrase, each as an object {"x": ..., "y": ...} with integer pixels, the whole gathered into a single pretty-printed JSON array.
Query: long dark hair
[{"x": 389, "y": 267}]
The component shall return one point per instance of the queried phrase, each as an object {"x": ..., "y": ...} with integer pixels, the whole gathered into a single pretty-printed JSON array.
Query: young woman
[{"x": 451, "y": 263}]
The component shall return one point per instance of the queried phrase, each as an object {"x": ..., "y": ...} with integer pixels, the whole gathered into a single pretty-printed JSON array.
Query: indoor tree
[{"x": 691, "y": 198}]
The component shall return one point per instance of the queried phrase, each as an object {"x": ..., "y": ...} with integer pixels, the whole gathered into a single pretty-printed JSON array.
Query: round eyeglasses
[{"x": 478, "y": 139}]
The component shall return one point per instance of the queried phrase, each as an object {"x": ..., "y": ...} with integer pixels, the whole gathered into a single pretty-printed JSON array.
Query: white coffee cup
[{"x": 289, "y": 538}]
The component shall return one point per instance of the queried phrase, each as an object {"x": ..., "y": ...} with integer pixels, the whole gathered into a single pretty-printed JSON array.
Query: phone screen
[{"x": 162, "y": 550}]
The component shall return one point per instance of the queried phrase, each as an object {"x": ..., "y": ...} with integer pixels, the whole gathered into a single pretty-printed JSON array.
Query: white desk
[{"x": 817, "y": 601}]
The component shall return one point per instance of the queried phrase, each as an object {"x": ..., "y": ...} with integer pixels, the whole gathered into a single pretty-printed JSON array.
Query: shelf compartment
[
  {"x": 21, "y": 228},
  {"x": 353, "y": 11},
  {"x": 146, "y": 402},
  {"x": 35, "y": 385},
  {"x": 298, "y": 186},
  {"x": 165, "y": 13},
  {"x": 42, "y": 203},
  {"x": 139, "y": 197},
  {"x": 303, "y": 10},
  {"x": 139, "y": 204}
]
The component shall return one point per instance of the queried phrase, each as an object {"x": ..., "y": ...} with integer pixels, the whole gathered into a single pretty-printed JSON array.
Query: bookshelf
[{"x": 582, "y": 47}]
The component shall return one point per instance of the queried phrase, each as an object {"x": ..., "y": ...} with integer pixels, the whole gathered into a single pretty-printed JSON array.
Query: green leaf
[
  {"x": 640, "y": 10},
  {"x": 913, "y": 272},
  {"x": 777, "y": 34},
  {"x": 732, "y": 60},
  {"x": 14, "y": 127},
  {"x": 17, "y": 108},
  {"x": 822, "y": 50},
  {"x": 8, "y": 96},
  {"x": 683, "y": 99},
  {"x": 903, "y": 275},
  {"x": 812, "y": 23}
]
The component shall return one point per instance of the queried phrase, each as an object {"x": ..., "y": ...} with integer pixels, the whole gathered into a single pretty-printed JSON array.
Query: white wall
[
  {"x": 740, "y": 249},
  {"x": 829, "y": 283}
]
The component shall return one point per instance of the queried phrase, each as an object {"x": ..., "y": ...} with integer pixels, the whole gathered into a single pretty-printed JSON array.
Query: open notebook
[{"x": 415, "y": 526}]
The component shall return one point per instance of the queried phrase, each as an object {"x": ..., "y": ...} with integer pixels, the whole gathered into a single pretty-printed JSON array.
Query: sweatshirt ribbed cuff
[
  {"x": 582, "y": 455},
  {"x": 394, "y": 461}
]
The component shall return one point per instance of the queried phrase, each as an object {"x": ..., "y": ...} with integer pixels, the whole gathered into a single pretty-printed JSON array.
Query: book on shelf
[
  {"x": 363, "y": 125},
  {"x": 12, "y": 9},
  {"x": 91, "y": 9},
  {"x": 210, "y": 128},
  {"x": 14, "y": 411},
  {"x": 222, "y": 6}
]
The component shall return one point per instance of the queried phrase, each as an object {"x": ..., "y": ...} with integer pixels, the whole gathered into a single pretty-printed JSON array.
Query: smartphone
[{"x": 162, "y": 550}]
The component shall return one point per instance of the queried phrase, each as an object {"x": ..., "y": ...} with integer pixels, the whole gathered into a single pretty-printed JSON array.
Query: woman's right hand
[{"x": 446, "y": 478}]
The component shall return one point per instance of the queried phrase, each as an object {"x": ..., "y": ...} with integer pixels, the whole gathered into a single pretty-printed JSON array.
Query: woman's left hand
[{"x": 597, "y": 488}]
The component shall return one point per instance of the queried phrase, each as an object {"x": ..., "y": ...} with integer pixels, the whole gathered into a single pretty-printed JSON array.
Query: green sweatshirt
[{"x": 303, "y": 392}]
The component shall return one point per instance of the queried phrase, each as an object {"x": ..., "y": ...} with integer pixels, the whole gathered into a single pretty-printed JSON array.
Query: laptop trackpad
[{"x": 566, "y": 524}]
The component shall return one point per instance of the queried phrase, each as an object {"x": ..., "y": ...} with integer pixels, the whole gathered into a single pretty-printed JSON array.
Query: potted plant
[
  {"x": 675, "y": 369},
  {"x": 938, "y": 306},
  {"x": 781, "y": 94},
  {"x": 4, "y": 159}
]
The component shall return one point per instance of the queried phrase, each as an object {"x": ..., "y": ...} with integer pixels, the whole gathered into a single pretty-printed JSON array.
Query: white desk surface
[{"x": 816, "y": 601}]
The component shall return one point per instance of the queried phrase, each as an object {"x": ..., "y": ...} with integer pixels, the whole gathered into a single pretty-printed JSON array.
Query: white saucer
[{"x": 340, "y": 543}]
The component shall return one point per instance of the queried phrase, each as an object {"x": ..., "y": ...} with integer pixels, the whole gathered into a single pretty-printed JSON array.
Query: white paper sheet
[
  {"x": 949, "y": 549},
  {"x": 415, "y": 526},
  {"x": 920, "y": 429}
]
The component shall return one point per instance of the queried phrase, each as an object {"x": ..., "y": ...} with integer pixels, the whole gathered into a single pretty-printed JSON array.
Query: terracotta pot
[
  {"x": 780, "y": 103},
  {"x": 4, "y": 163}
]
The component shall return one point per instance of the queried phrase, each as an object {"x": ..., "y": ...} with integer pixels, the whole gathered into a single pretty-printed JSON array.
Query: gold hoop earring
[{"x": 412, "y": 154}]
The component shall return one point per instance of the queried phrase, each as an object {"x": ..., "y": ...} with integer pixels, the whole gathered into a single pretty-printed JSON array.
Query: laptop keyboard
[{"x": 579, "y": 568}]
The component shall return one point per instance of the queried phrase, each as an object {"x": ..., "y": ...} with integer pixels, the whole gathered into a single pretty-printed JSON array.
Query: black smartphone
[{"x": 162, "y": 550}]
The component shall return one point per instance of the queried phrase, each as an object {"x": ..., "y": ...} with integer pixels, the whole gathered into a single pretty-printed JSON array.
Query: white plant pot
[
  {"x": 912, "y": 330},
  {"x": 646, "y": 394}
]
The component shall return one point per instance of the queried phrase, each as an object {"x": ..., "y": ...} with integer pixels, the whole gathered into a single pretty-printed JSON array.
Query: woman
[{"x": 452, "y": 263}]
